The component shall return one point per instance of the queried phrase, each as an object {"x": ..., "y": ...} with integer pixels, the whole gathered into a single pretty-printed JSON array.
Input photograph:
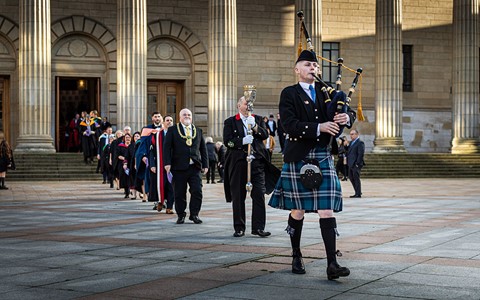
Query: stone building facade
[{"x": 127, "y": 58}]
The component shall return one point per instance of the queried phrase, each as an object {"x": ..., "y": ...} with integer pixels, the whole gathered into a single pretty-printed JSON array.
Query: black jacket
[
  {"x": 176, "y": 152},
  {"x": 300, "y": 118}
]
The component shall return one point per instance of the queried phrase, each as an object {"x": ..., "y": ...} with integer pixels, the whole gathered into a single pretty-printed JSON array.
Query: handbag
[{"x": 310, "y": 174}]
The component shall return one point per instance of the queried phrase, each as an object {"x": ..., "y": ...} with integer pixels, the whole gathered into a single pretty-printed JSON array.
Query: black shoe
[
  {"x": 334, "y": 271},
  {"x": 155, "y": 206},
  {"x": 213, "y": 182},
  {"x": 181, "y": 219},
  {"x": 261, "y": 232},
  {"x": 126, "y": 196},
  {"x": 208, "y": 181},
  {"x": 103, "y": 182},
  {"x": 239, "y": 233},
  {"x": 195, "y": 219},
  {"x": 355, "y": 196},
  {"x": 220, "y": 181},
  {"x": 297, "y": 262}
]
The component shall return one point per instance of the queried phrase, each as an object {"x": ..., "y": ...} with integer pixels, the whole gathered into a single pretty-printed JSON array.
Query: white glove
[
  {"x": 247, "y": 139},
  {"x": 251, "y": 121}
]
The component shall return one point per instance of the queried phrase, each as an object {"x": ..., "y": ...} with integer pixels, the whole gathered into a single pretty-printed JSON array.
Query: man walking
[
  {"x": 186, "y": 156},
  {"x": 356, "y": 151},
  {"x": 237, "y": 139}
]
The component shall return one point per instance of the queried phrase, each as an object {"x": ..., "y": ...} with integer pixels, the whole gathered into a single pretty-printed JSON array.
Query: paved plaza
[{"x": 405, "y": 239}]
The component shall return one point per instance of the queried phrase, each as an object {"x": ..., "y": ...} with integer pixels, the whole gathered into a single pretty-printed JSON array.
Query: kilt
[{"x": 290, "y": 193}]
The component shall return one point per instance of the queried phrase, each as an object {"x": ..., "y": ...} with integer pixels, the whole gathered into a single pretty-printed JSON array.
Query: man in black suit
[
  {"x": 272, "y": 125},
  {"x": 185, "y": 155},
  {"x": 356, "y": 151},
  {"x": 237, "y": 139}
]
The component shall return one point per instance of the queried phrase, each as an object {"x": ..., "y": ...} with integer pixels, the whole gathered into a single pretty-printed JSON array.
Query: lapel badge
[{"x": 307, "y": 102}]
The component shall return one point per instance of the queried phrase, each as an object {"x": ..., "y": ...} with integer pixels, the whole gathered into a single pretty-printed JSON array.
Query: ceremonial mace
[{"x": 250, "y": 93}]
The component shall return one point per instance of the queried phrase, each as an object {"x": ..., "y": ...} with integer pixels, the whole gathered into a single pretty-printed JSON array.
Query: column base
[
  {"x": 388, "y": 145},
  {"x": 38, "y": 144},
  {"x": 465, "y": 146}
]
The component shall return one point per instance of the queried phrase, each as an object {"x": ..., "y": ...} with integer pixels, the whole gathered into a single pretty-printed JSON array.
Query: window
[
  {"x": 330, "y": 51},
  {"x": 407, "y": 52}
]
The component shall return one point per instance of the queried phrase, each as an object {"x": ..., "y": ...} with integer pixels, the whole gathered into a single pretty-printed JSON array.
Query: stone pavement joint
[{"x": 404, "y": 239}]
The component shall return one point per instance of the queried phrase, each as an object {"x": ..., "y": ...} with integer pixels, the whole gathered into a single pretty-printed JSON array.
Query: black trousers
[
  {"x": 193, "y": 179},
  {"x": 354, "y": 176},
  {"x": 211, "y": 170},
  {"x": 238, "y": 181}
]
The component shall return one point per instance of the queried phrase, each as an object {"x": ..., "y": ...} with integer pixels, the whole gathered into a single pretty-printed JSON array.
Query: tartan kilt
[{"x": 290, "y": 193}]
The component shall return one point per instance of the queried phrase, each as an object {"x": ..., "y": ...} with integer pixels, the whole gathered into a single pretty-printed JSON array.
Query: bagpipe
[{"x": 335, "y": 100}]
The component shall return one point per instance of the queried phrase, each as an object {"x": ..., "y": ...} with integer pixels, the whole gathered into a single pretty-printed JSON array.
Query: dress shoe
[
  {"x": 103, "y": 182},
  {"x": 126, "y": 196},
  {"x": 334, "y": 271},
  {"x": 169, "y": 211},
  {"x": 261, "y": 232},
  {"x": 355, "y": 196},
  {"x": 220, "y": 181},
  {"x": 297, "y": 262},
  {"x": 195, "y": 219},
  {"x": 181, "y": 219},
  {"x": 159, "y": 207},
  {"x": 239, "y": 233}
]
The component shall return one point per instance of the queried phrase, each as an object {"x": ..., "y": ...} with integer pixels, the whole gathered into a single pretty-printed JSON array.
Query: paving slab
[{"x": 404, "y": 239}]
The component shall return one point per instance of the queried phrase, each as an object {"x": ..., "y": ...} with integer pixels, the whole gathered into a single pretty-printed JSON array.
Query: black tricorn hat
[{"x": 308, "y": 56}]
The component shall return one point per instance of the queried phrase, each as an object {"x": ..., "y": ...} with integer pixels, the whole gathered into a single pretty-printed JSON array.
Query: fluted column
[
  {"x": 465, "y": 77},
  {"x": 222, "y": 66},
  {"x": 312, "y": 10},
  {"x": 34, "y": 65},
  {"x": 388, "y": 77},
  {"x": 132, "y": 64}
]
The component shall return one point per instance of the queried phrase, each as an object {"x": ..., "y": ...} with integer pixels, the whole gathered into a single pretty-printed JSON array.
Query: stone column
[
  {"x": 312, "y": 10},
  {"x": 222, "y": 66},
  {"x": 388, "y": 77},
  {"x": 34, "y": 65},
  {"x": 465, "y": 77},
  {"x": 132, "y": 64}
]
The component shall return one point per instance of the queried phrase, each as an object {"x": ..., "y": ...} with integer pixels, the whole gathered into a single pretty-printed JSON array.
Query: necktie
[
  {"x": 187, "y": 131},
  {"x": 312, "y": 92}
]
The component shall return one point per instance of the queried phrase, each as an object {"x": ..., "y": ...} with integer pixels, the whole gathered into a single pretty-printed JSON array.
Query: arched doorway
[{"x": 79, "y": 68}]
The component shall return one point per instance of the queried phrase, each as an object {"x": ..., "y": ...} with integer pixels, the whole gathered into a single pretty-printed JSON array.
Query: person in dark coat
[
  {"x": 310, "y": 121},
  {"x": 237, "y": 139},
  {"x": 102, "y": 141},
  {"x": 212, "y": 159},
  {"x": 6, "y": 160},
  {"x": 356, "y": 151},
  {"x": 185, "y": 155},
  {"x": 341, "y": 166},
  {"x": 221, "y": 151},
  {"x": 121, "y": 164},
  {"x": 272, "y": 125},
  {"x": 132, "y": 166},
  {"x": 149, "y": 162},
  {"x": 107, "y": 168},
  {"x": 89, "y": 141}
]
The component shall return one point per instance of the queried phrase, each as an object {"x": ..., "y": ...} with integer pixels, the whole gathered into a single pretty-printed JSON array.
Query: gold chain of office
[{"x": 188, "y": 138}]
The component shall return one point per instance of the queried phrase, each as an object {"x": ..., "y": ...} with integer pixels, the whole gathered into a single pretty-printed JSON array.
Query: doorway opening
[
  {"x": 165, "y": 97},
  {"x": 5, "y": 107},
  {"x": 73, "y": 96}
]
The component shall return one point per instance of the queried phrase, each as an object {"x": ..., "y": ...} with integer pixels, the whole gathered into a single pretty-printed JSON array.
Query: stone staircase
[
  {"x": 70, "y": 166},
  {"x": 417, "y": 165},
  {"x": 52, "y": 167}
]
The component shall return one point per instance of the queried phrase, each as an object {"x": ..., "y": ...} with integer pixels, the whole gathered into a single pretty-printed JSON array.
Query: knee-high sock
[
  {"x": 327, "y": 228},
  {"x": 2, "y": 181},
  {"x": 294, "y": 229}
]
